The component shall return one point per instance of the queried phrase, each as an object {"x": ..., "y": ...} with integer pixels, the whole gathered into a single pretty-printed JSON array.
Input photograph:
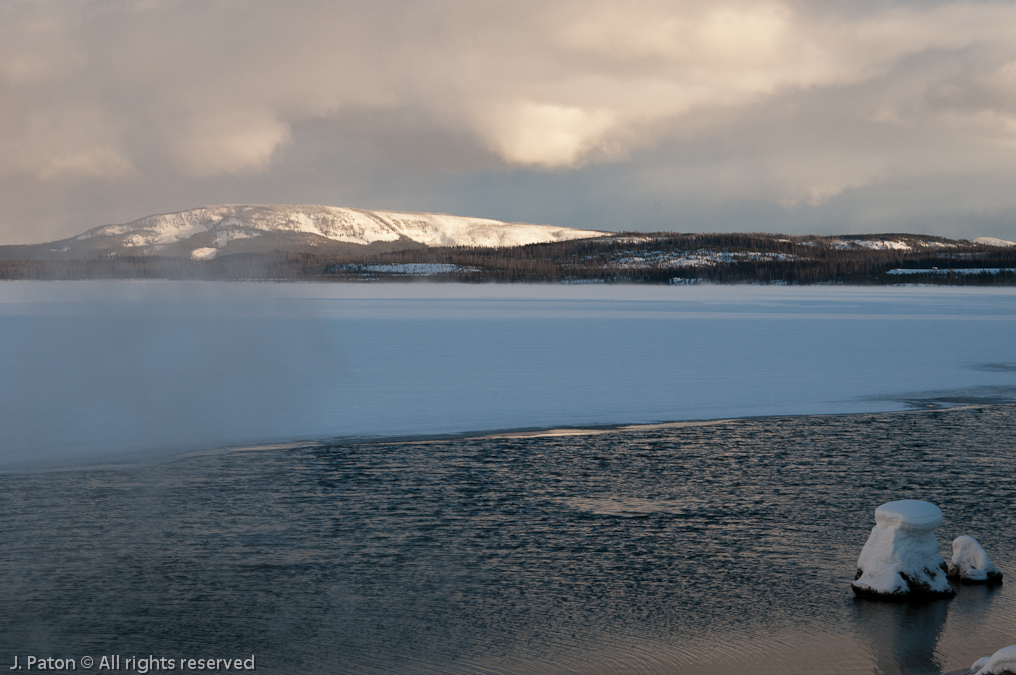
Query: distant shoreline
[{"x": 660, "y": 258}]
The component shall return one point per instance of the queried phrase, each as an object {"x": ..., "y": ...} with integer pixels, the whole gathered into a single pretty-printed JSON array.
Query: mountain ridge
[
  {"x": 324, "y": 243},
  {"x": 206, "y": 232}
]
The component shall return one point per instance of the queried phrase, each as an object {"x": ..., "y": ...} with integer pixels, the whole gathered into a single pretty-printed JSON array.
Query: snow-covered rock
[
  {"x": 1002, "y": 662},
  {"x": 901, "y": 558},
  {"x": 970, "y": 564}
]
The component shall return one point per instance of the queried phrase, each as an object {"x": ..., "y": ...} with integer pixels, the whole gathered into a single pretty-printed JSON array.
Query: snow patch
[
  {"x": 884, "y": 245},
  {"x": 876, "y": 244},
  {"x": 159, "y": 229},
  {"x": 204, "y": 253},
  {"x": 992, "y": 241},
  {"x": 226, "y": 235},
  {"x": 958, "y": 271}
]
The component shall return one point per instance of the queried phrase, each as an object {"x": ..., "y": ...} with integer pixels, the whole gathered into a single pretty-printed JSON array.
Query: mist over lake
[{"x": 99, "y": 371}]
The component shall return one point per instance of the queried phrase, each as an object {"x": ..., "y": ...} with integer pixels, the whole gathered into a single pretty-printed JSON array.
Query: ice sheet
[{"x": 94, "y": 370}]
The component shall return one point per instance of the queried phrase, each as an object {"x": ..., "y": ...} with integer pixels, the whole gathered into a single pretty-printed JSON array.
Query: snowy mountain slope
[
  {"x": 993, "y": 241},
  {"x": 323, "y": 242},
  {"x": 205, "y": 232}
]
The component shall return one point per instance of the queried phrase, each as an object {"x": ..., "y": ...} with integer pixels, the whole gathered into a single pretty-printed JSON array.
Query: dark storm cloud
[{"x": 693, "y": 115}]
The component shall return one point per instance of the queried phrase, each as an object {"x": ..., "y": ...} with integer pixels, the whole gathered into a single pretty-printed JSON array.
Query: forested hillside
[{"x": 627, "y": 257}]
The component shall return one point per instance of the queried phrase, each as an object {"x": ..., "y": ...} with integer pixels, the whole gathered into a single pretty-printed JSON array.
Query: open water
[{"x": 725, "y": 547}]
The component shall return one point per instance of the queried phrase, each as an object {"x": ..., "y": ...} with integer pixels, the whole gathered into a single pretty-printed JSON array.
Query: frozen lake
[{"x": 96, "y": 371}]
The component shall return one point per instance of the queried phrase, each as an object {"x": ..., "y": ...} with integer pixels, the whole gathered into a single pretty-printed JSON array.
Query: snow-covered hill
[
  {"x": 993, "y": 241},
  {"x": 203, "y": 233}
]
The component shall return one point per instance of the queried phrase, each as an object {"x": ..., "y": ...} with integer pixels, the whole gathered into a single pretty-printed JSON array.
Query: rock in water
[
  {"x": 901, "y": 560},
  {"x": 1002, "y": 662},
  {"x": 971, "y": 565}
]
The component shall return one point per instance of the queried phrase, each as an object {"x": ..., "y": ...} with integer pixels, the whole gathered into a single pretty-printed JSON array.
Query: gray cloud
[{"x": 760, "y": 114}]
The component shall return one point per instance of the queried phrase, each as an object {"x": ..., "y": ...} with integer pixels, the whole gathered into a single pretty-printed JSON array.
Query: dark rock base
[
  {"x": 903, "y": 596},
  {"x": 994, "y": 579},
  {"x": 916, "y": 590}
]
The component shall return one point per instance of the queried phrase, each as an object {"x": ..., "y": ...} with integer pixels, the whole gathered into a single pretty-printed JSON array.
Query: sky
[{"x": 829, "y": 116}]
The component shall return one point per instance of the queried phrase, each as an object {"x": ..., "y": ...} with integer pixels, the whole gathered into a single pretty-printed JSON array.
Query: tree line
[{"x": 631, "y": 257}]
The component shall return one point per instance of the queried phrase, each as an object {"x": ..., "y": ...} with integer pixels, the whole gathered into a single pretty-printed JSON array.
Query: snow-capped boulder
[
  {"x": 970, "y": 564},
  {"x": 901, "y": 559},
  {"x": 1002, "y": 662}
]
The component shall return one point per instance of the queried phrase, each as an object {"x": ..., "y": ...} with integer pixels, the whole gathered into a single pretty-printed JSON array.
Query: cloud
[
  {"x": 207, "y": 143},
  {"x": 789, "y": 103},
  {"x": 93, "y": 163},
  {"x": 546, "y": 135}
]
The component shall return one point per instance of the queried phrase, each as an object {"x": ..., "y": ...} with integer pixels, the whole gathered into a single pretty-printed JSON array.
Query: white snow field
[
  {"x": 95, "y": 371},
  {"x": 354, "y": 226}
]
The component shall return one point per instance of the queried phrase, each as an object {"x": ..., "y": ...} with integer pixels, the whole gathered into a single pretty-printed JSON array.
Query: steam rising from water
[{"x": 102, "y": 371}]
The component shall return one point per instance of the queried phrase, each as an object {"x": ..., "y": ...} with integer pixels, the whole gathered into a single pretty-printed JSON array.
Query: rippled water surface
[{"x": 719, "y": 548}]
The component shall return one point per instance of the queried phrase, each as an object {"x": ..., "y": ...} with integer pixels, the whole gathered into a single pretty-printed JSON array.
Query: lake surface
[
  {"x": 117, "y": 370},
  {"x": 723, "y": 548}
]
